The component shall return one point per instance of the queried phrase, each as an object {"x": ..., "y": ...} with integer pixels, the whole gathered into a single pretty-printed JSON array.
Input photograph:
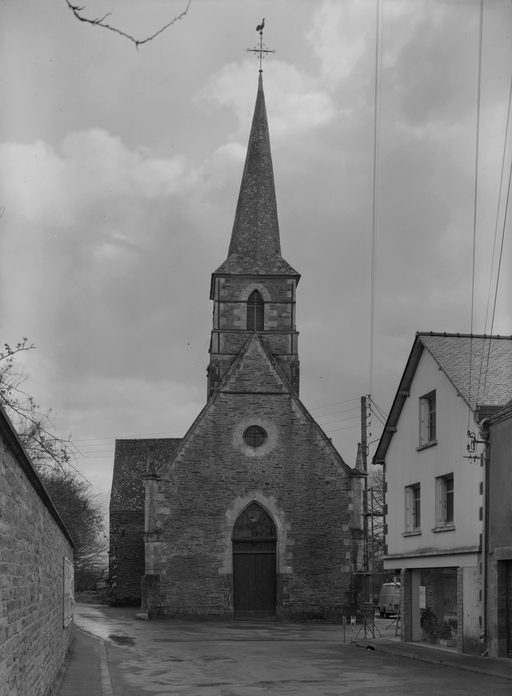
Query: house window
[
  {"x": 444, "y": 497},
  {"x": 412, "y": 508},
  {"x": 428, "y": 419},
  {"x": 255, "y": 312}
]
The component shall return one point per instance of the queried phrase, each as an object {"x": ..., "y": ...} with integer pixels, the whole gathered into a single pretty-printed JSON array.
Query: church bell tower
[{"x": 254, "y": 289}]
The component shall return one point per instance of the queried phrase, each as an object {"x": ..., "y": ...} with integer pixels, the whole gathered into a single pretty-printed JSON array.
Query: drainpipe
[{"x": 483, "y": 427}]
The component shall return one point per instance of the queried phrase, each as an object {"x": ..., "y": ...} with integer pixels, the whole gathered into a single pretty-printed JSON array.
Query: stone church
[{"x": 253, "y": 513}]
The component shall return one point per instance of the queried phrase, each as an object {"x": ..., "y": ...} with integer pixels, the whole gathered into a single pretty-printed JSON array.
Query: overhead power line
[
  {"x": 378, "y": 48},
  {"x": 336, "y": 430},
  {"x": 338, "y": 403},
  {"x": 475, "y": 199},
  {"x": 498, "y": 207}
]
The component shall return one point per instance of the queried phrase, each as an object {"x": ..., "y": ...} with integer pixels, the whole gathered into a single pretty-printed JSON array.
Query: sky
[{"x": 119, "y": 177}]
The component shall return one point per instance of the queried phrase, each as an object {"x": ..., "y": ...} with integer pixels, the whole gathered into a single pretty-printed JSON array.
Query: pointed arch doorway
[{"x": 254, "y": 564}]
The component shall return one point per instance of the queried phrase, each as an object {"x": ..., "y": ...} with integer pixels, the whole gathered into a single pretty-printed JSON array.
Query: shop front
[{"x": 441, "y": 606}]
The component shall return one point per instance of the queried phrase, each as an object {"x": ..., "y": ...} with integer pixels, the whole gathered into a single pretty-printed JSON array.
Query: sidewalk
[
  {"x": 86, "y": 670},
  {"x": 491, "y": 666}
]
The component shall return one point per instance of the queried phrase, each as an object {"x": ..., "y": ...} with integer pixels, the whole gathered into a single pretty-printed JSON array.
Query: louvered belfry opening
[
  {"x": 254, "y": 564},
  {"x": 255, "y": 312}
]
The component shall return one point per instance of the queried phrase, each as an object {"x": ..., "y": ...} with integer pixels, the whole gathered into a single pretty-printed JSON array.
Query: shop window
[
  {"x": 428, "y": 419},
  {"x": 444, "y": 500},
  {"x": 438, "y": 605},
  {"x": 413, "y": 508}
]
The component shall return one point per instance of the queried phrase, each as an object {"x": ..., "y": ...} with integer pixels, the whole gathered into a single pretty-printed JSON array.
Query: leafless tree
[
  {"x": 82, "y": 513},
  {"x": 33, "y": 425},
  {"x": 78, "y": 10},
  {"x": 71, "y": 493},
  {"x": 376, "y": 531}
]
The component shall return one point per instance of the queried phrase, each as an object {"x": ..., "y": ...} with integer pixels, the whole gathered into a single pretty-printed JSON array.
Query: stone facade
[
  {"x": 230, "y": 333},
  {"x": 33, "y": 547},
  {"x": 126, "y": 555},
  {"x": 297, "y": 476},
  {"x": 254, "y": 453}
]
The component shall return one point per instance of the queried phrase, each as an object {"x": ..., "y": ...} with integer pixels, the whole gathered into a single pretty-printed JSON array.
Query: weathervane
[{"x": 260, "y": 50}]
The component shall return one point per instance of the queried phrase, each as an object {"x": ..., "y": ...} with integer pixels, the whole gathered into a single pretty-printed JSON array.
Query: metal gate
[{"x": 254, "y": 564}]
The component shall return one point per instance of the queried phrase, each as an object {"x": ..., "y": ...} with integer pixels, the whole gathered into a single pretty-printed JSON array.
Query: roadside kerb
[{"x": 418, "y": 652}]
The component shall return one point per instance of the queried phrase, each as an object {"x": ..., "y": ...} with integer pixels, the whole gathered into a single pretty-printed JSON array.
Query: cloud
[
  {"x": 53, "y": 187},
  {"x": 339, "y": 38},
  {"x": 419, "y": 72},
  {"x": 296, "y": 102},
  {"x": 92, "y": 236}
]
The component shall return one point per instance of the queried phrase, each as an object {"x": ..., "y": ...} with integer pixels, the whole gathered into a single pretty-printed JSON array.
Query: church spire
[
  {"x": 256, "y": 229},
  {"x": 254, "y": 289},
  {"x": 255, "y": 245}
]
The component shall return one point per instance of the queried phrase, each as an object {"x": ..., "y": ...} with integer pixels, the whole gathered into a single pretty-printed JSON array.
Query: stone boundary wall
[{"x": 33, "y": 545}]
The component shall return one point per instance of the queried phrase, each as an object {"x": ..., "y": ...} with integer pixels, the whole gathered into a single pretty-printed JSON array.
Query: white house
[{"x": 434, "y": 484}]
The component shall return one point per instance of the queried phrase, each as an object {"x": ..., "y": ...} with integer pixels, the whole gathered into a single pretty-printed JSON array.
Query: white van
[{"x": 389, "y": 600}]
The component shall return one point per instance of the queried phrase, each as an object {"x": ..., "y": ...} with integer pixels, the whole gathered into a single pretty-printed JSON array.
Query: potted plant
[
  {"x": 429, "y": 624},
  {"x": 445, "y": 633}
]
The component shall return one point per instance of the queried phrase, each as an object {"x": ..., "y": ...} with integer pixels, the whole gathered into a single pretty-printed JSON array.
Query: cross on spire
[{"x": 261, "y": 49}]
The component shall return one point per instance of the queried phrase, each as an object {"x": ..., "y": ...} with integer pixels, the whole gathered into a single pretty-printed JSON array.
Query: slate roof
[
  {"x": 255, "y": 246},
  {"x": 271, "y": 381},
  {"x": 130, "y": 462},
  {"x": 478, "y": 367}
]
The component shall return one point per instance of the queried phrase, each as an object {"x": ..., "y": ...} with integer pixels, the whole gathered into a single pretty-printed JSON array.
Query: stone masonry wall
[
  {"x": 126, "y": 553},
  {"x": 297, "y": 477},
  {"x": 126, "y": 558},
  {"x": 33, "y": 545},
  {"x": 230, "y": 322}
]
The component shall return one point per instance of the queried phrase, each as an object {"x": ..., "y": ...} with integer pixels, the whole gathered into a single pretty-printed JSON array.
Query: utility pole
[
  {"x": 368, "y": 512},
  {"x": 364, "y": 435},
  {"x": 364, "y": 459},
  {"x": 367, "y": 584}
]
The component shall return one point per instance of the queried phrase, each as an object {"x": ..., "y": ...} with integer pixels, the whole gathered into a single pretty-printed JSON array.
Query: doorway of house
[{"x": 254, "y": 564}]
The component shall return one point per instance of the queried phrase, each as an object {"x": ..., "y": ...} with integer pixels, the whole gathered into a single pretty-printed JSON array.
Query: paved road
[{"x": 176, "y": 658}]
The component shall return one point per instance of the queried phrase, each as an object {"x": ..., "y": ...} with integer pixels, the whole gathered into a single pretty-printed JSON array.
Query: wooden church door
[{"x": 254, "y": 564}]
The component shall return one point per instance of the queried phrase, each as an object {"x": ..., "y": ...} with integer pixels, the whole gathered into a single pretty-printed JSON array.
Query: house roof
[
  {"x": 255, "y": 246},
  {"x": 479, "y": 368},
  {"x": 130, "y": 463},
  {"x": 499, "y": 415}
]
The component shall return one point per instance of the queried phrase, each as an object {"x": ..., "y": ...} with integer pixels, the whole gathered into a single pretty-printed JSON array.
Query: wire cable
[
  {"x": 498, "y": 273},
  {"x": 338, "y": 403},
  {"x": 475, "y": 199},
  {"x": 374, "y": 193},
  {"x": 381, "y": 411},
  {"x": 494, "y": 249}
]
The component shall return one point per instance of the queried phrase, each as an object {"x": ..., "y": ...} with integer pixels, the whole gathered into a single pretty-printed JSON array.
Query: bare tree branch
[
  {"x": 34, "y": 427},
  {"x": 100, "y": 22},
  {"x": 71, "y": 492}
]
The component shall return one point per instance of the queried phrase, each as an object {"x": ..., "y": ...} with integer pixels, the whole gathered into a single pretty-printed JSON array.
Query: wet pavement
[{"x": 182, "y": 658}]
